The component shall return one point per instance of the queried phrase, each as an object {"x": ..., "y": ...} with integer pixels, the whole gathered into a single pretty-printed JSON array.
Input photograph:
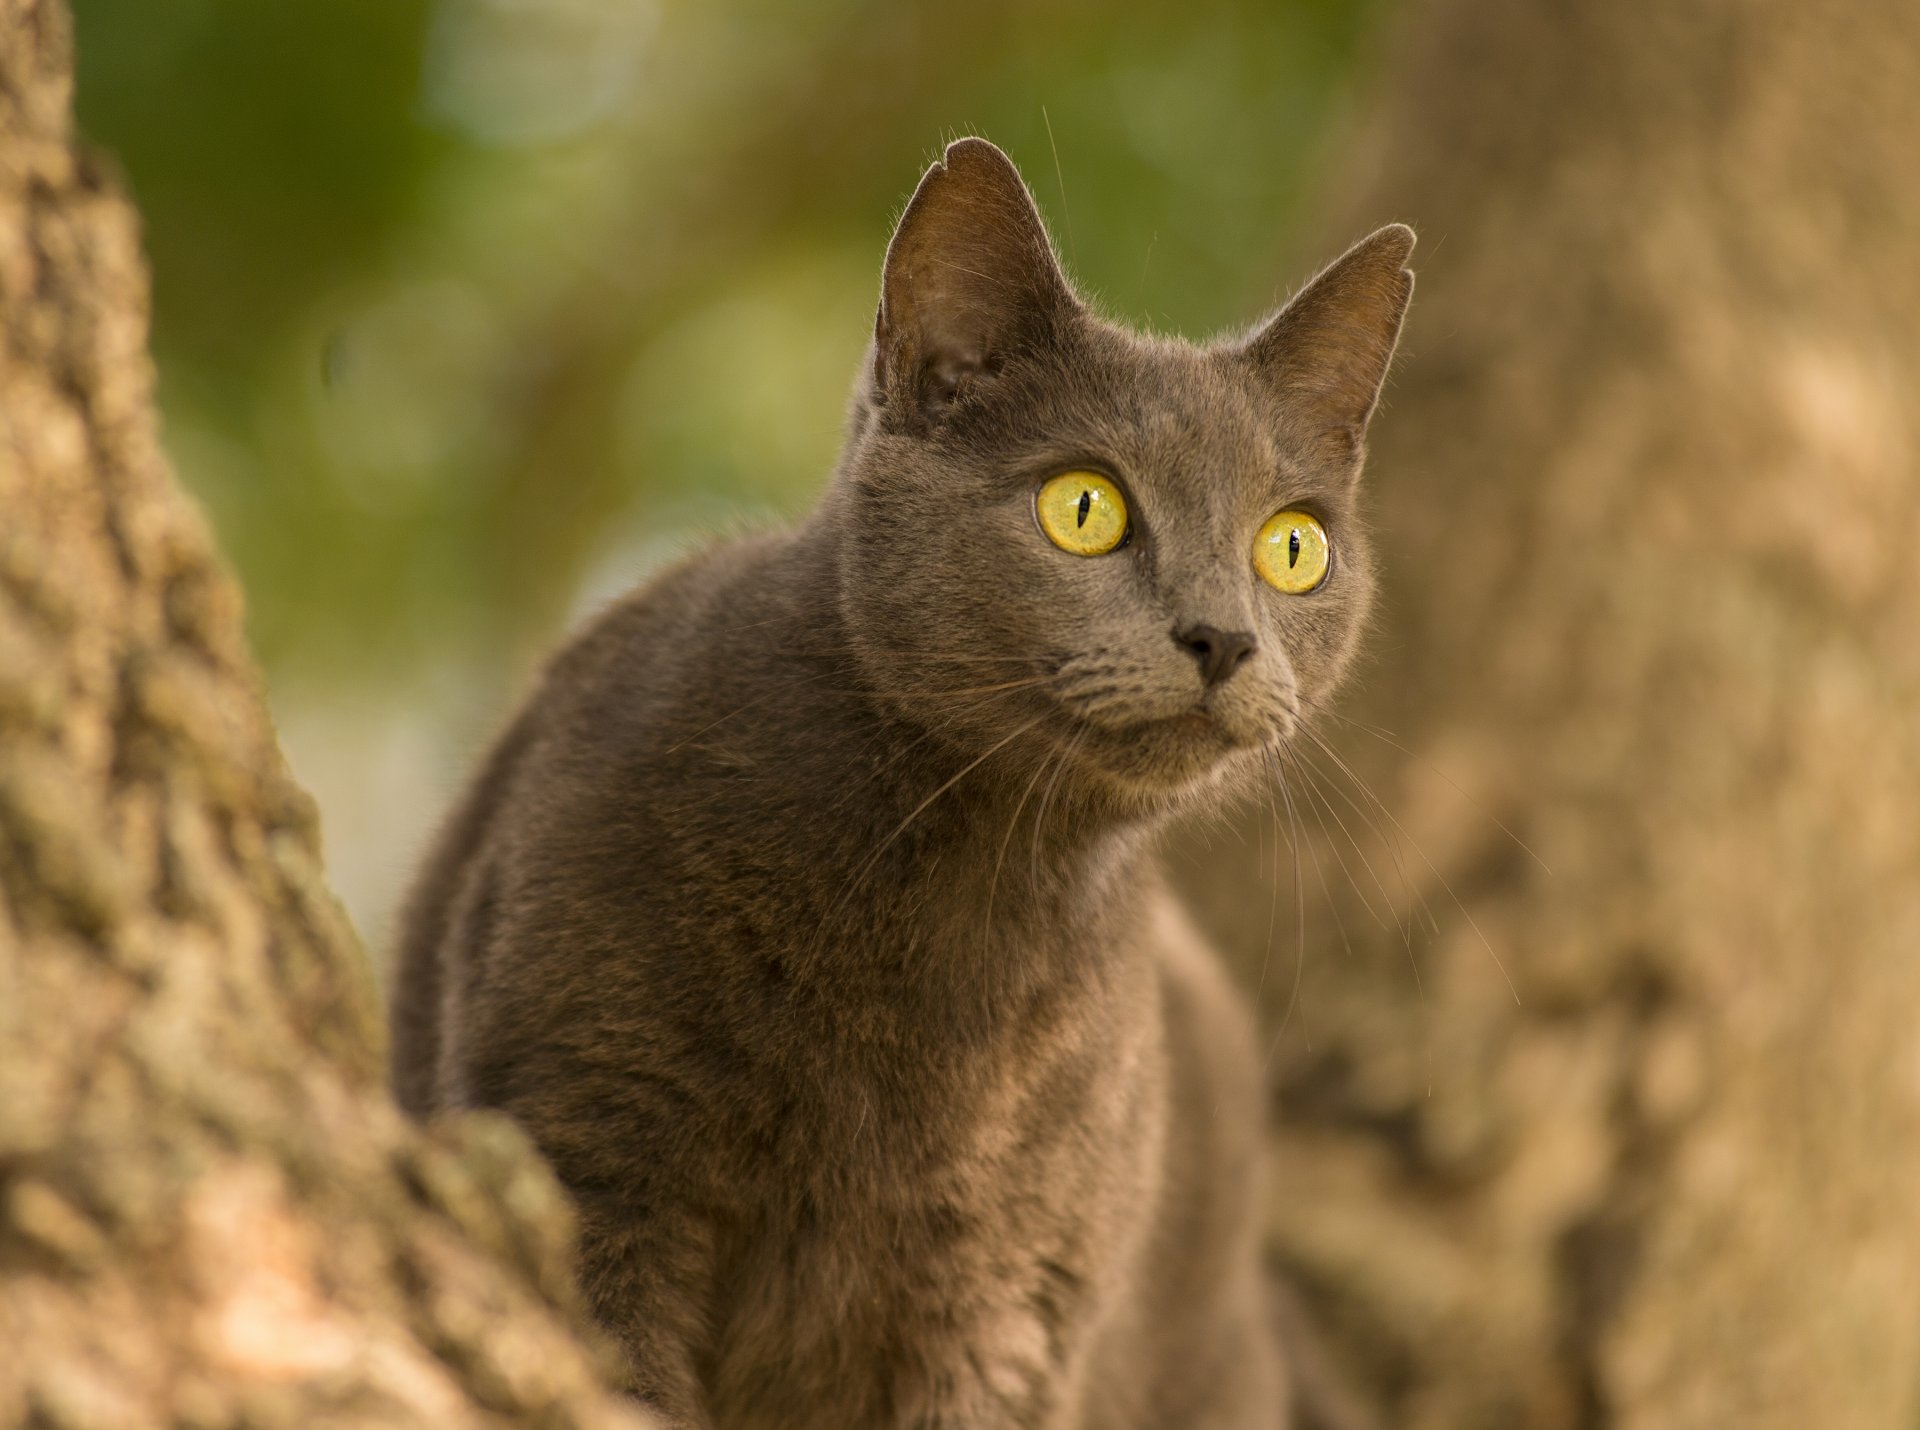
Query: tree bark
[
  {"x": 1636, "y": 1142},
  {"x": 210, "y": 1213}
]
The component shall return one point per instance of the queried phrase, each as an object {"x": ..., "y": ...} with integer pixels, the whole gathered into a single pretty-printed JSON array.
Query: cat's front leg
[
  {"x": 1015, "y": 1367},
  {"x": 984, "y": 1392},
  {"x": 645, "y": 1274}
]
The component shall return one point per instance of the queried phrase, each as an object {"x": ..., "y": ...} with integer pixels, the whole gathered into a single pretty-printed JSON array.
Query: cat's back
[{"x": 584, "y": 776}]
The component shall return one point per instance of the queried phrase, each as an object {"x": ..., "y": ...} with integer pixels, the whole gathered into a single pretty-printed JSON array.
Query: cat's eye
[
  {"x": 1292, "y": 552},
  {"x": 1082, "y": 512}
]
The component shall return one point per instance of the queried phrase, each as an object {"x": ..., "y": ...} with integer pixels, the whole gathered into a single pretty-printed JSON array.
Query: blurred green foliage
[{"x": 468, "y": 310}]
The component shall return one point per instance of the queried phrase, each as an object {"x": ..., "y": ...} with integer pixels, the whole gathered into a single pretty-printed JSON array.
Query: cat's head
[{"x": 1136, "y": 556}]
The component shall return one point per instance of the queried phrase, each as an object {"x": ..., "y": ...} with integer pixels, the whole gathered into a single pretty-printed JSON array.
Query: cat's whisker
[
  {"x": 1278, "y": 760},
  {"x": 1300, "y": 920},
  {"x": 931, "y": 694},
  {"x": 993, "y": 280},
  {"x": 1414, "y": 900},
  {"x": 675, "y": 748},
  {"x": 1273, "y": 898},
  {"x": 1273, "y": 884},
  {"x": 1390, "y": 922},
  {"x": 993, "y": 884},
  {"x": 1326, "y": 839},
  {"x": 934, "y": 657},
  {"x": 1413, "y": 964},
  {"x": 1026, "y": 684},
  {"x": 1046, "y": 801},
  {"x": 1388, "y": 838},
  {"x": 1445, "y": 883},
  {"x": 1060, "y": 174},
  {"x": 1386, "y": 737},
  {"x": 918, "y": 809}
]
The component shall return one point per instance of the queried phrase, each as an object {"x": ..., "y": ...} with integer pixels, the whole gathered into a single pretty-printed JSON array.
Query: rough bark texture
[
  {"x": 210, "y": 1213},
  {"x": 1649, "y": 484}
]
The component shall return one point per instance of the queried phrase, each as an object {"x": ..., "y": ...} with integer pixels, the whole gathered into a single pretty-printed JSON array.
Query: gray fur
[{"x": 808, "y": 918}]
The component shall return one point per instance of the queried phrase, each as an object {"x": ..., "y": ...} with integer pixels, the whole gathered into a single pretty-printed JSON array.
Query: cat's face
[{"x": 1062, "y": 541}]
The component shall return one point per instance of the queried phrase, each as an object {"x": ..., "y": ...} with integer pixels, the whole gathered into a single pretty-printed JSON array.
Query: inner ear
[
  {"x": 970, "y": 278},
  {"x": 1325, "y": 355}
]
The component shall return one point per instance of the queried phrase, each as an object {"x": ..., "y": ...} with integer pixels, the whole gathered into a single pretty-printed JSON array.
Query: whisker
[
  {"x": 1319, "y": 869},
  {"x": 1405, "y": 930},
  {"x": 964, "y": 770},
  {"x": 1387, "y": 839},
  {"x": 1273, "y": 889},
  {"x": 1419, "y": 983},
  {"x": 931, "y": 693},
  {"x": 866, "y": 866},
  {"x": 675, "y": 748},
  {"x": 956, "y": 658},
  {"x": 1046, "y": 802},
  {"x": 1326, "y": 890},
  {"x": 1390, "y": 920},
  {"x": 938, "y": 694},
  {"x": 1385, "y": 737},
  {"x": 1300, "y": 921},
  {"x": 1060, "y": 174},
  {"x": 1446, "y": 884},
  {"x": 993, "y": 884},
  {"x": 1419, "y": 912}
]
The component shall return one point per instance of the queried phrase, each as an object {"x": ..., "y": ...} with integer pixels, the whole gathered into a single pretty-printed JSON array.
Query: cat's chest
[
  {"x": 957, "y": 1243},
  {"x": 940, "y": 1085}
]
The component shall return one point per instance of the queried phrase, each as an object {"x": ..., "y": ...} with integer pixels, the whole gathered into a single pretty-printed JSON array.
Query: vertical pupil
[
  {"x": 1293, "y": 548},
  {"x": 1086, "y": 505}
]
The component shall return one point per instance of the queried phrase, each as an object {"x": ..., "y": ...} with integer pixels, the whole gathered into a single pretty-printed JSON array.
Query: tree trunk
[
  {"x": 1638, "y": 1144},
  {"x": 210, "y": 1213}
]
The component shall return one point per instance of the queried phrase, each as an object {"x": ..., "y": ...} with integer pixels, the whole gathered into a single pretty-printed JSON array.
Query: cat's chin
[{"x": 1164, "y": 763}]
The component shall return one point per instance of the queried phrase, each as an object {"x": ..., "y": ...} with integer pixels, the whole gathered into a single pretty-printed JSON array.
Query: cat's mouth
[
  {"x": 1164, "y": 753},
  {"x": 1197, "y": 721},
  {"x": 1201, "y": 729},
  {"x": 1201, "y": 724}
]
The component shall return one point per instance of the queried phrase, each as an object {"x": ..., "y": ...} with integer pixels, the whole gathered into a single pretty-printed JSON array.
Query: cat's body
[
  {"x": 807, "y": 916},
  {"x": 909, "y": 1156}
]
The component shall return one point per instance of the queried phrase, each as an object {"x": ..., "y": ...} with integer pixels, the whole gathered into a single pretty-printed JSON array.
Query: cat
[{"x": 808, "y": 915}]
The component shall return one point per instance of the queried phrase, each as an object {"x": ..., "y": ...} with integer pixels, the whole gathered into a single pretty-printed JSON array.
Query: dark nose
[{"x": 1219, "y": 652}]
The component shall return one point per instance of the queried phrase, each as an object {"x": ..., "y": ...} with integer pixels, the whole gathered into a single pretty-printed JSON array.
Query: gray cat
[{"x": 808, "y": 915}]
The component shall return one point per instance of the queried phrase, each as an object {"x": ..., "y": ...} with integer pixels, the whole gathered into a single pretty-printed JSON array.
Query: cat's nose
[{"x": 1219, "y": 652}]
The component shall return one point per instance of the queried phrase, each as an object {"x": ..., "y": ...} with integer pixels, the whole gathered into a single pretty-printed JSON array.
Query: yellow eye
[
  {"x": 1292, "y": 553},
  {"x": 1082, "y": 512}
]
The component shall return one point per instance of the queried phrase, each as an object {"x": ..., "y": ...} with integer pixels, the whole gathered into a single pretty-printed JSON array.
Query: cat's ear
[
  {"x": 970, "y": 278},
  {"x": 1325, "y": 354}
]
